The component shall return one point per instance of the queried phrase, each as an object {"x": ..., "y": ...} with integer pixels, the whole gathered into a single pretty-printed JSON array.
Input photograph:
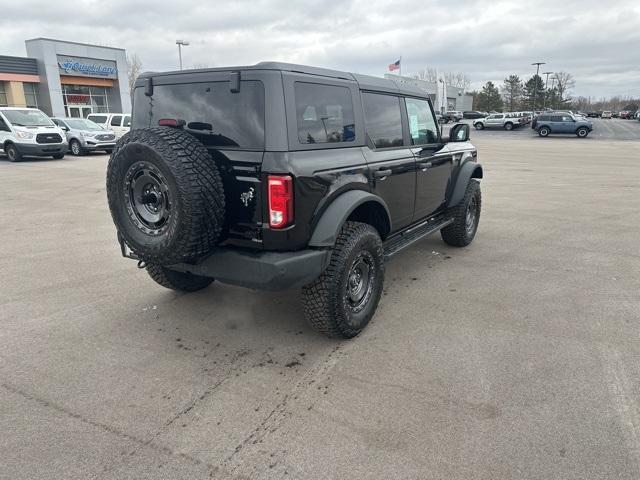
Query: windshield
[
  {"x": 82, "y": 124},
  {"x": 27, "y": 118}
]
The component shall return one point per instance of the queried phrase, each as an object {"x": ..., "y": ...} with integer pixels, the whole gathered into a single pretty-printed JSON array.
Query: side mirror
[
  {"x": 459, "y": 133},
  {"x": 66, "y": 129}
]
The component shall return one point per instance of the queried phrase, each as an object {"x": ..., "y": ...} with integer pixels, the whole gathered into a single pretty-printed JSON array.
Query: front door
[
  {"x": 391, "y": 164},
  {"x": 495, "y": 120},
  {"x": 433, "y": 168}
]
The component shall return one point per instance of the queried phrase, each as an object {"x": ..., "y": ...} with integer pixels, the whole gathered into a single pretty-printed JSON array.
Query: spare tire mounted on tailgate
[{"x": 165, "y": 195}]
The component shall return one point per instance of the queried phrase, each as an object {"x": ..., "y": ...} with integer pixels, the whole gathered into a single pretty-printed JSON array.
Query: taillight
[{"x": 280, "y": 201}]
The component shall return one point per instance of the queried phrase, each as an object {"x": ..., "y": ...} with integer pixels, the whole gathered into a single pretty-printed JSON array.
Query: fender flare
[
  {"x": 468, "y": 171},
  {"x": 331, "y": 221}
]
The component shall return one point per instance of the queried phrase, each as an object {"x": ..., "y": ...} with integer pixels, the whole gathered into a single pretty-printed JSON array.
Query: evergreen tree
[
  {"x": 489, "y": 98},
  {"x": 512, "y": 92},
  {"x": 534, "y": 87}
]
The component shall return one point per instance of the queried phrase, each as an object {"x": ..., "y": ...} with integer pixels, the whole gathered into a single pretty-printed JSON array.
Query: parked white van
[
  {"x": 29, "y": 132},
  {"x": 120, "y": 123}
]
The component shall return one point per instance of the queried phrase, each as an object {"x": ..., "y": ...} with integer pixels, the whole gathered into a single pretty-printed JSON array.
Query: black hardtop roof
[{"x": 365, "y": 82}]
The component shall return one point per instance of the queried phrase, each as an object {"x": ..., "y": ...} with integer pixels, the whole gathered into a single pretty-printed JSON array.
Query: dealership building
[
  {"x": 66, "y": 79},
  {"x": 445, "y": 98}
]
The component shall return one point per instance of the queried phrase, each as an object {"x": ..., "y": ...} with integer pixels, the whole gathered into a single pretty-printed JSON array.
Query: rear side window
[
  {"x": 210, "y": 111},
  {"x": 127, "y": 121},
  {"x": 383, "y": 120},
  {"x": 98, "y": 118},
  {"x": 422, "y": 125},
  {"x": 324, "y": 113},
  {"x": 116, "y": 120}
]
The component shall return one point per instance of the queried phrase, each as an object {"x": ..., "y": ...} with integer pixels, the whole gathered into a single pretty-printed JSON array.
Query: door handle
[
  {"x": 382, "y": 174},
  {"x": 424, "y": 166}
]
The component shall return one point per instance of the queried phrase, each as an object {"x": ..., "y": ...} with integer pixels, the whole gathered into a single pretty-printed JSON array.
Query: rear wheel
[
  {"x": 180, "y": 281},
  {"x": 12, "y": 153},
  {"x": 342, "y": 301},
  {"x": 582, "y": 132},
  {"x": 466, "y": 216},
  {"x": 544, "y": 132}
]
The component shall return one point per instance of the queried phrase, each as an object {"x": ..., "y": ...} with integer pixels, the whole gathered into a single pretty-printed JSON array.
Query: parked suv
[
  {"x": 277, "y": 176},
  {"x": 29, "y": 132},
  {"x": 562, "y": 123},
  {"x": 85, "y": 136},
  {"x": 120, "y": 123}
]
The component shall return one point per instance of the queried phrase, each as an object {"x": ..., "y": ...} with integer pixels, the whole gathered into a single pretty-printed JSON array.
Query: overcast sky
[{"x": 597, "y": 41}]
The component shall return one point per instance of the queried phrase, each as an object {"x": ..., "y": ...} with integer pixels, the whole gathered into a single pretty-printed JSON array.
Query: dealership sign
[{"x": 87, "y": 67}]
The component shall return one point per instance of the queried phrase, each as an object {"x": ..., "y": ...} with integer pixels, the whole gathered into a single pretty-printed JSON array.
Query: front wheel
[
  {"x": 479, "y": 126},
  {"x": 582, "y": 132},
  {"x": 508, "y": 126},
  {"x": 76, "y": 148},
  {"x": 544, "y": 132},
  {"x": 12, "y": 153},
  {"x": 466, "y": 216},
  {"x": 342, "y": 301},
  {"x": 58, "y": 156},
  {"x": 180, "y": 281}
]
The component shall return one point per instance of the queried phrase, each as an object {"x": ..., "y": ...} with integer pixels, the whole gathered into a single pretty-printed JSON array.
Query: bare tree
[
  {"x": 135, "y": 67},
  {"x": 457, "y": 79},
  {"x": 566, "y": 82},
  {"x": 428, "y": 75}
]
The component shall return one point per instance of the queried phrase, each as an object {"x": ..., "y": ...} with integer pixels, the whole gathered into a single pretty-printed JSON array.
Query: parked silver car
[{"x": 84, "y": 135}]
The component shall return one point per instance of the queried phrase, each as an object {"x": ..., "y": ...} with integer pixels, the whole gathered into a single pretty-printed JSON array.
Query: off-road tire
[
  {"x": 12, "y": 153},
  {"x": 479, "y": 126},
  {"x": 326, "y": 305},
  {"x": 582, "y": 132},
  {"x": 544, "y": 131},
  {"x": 194, "y": 192},
  {"x": 179, "y": 281},
  {"x": 457, "y": 234}
]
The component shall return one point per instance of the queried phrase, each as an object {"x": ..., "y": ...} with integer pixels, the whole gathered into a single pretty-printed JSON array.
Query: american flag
[{"x": 394, "y": 66}]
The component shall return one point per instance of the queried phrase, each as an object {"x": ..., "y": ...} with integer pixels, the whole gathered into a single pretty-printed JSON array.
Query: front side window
[
  {"x": 383, "y": 120},
  {"x": 422, "y": 126},
  {"x": 127, "y": 121},
  {"x": 116, "y": 120},
  {"x": 324, "y": 113},
  {"x": 210, "y": 111}
]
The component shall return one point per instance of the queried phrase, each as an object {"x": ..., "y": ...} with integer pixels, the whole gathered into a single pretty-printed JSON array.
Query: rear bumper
[
  {"x": 257, "y": 270},
  {"x": 41, "y": 150},
  {"x": 261, "y": 270}
]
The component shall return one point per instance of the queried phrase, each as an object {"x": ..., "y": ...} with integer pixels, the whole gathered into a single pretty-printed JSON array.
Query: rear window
[
  {"x": 383, "y": 119},
  {"x": 210, "y": 111},
  {"x": 324, "y": 113},
  {"x": 98, "y": 118}
]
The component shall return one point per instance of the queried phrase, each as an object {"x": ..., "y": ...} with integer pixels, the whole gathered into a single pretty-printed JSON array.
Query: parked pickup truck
[{"x": 499, "y": 120}]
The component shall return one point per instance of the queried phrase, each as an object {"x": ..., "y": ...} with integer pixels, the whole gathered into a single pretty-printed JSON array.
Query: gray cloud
[{"x": 599, "y": 42}]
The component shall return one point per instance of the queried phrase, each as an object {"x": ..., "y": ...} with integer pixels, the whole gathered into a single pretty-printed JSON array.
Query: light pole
[
  {"x": 535, "y": 87},
  {"x": 546, "y": 84},
  {"x": 180, "y": 44},
  {"x": 443, "y": 101}
]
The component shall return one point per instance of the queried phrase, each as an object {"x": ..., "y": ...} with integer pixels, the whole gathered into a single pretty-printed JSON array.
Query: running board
[{"x": 413, "y": 234}]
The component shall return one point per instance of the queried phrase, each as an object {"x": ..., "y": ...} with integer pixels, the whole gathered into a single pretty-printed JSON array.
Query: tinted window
[
  {"x": 211, "y": 112},
  {"x": 422, "y": 125},
  {"x": 98, "y": 118},
  {"x": 127, "y": 121},
  {"x": 324, "y": 113},
  {"x": 382, "y": 119},
  {"x": 116, "y": 120}
]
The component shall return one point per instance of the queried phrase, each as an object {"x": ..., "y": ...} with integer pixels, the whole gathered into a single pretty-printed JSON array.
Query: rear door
[
  {"x": 392, "y": 165},
  {"x": 433, "y": 172}
]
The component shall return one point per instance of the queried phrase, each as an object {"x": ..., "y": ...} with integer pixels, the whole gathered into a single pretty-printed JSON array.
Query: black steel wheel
[
  {"x": 342, "y": 301},
  {"x": 466, "y": 217},
  {"x": 165, "y": 195}
]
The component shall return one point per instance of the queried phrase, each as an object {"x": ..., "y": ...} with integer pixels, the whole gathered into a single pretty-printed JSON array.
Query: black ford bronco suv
[{"x": 276, "y": 176}]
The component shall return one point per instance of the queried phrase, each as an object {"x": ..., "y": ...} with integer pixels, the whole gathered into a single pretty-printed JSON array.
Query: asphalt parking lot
[{"x": 516, "y": 358}]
